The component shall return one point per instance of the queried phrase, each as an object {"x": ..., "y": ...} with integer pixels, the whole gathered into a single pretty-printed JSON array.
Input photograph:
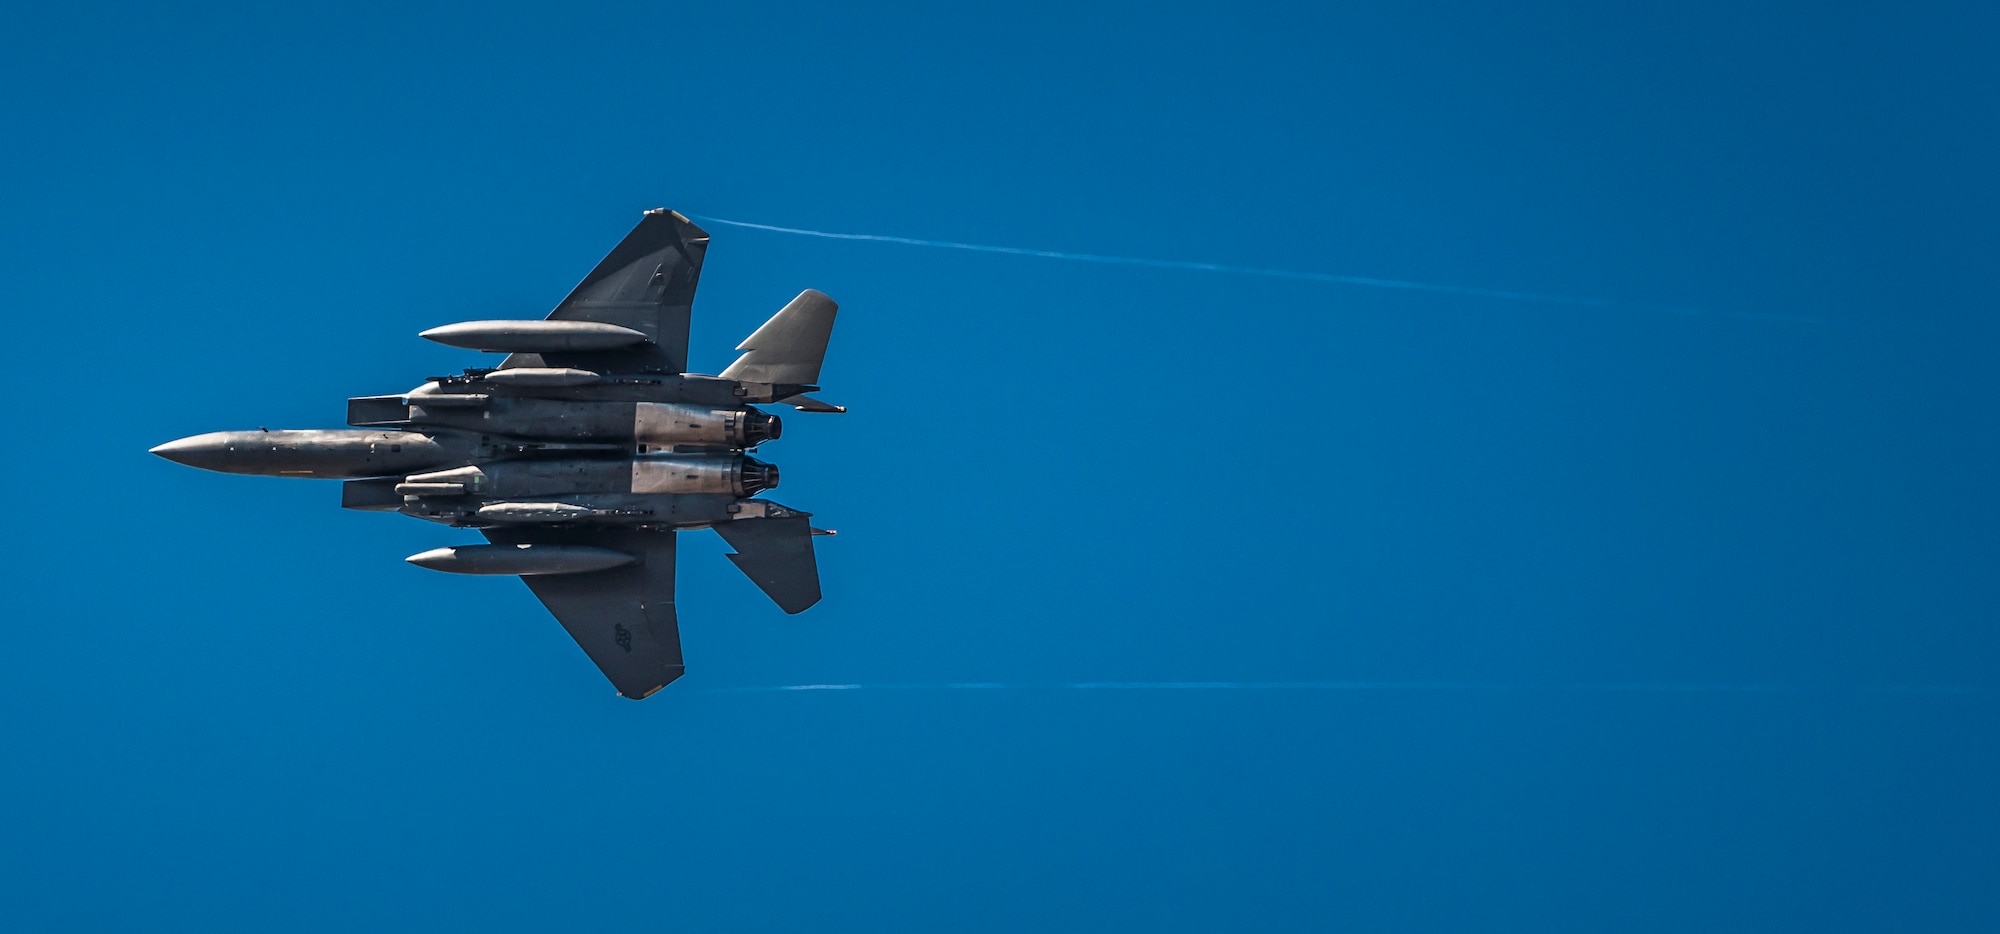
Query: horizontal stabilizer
[
  {"x": 790, "y": 347},
  {"x": 777, "y": 556}
]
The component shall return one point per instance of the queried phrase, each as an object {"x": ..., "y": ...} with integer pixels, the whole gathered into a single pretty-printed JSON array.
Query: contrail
[
  {"x": 1608, "y": 687},
  {"x": 1367, "y": 281}
]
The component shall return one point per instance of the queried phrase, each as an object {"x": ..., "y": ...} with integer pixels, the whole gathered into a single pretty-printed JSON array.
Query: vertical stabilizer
[{"x": 790, "y": 347}]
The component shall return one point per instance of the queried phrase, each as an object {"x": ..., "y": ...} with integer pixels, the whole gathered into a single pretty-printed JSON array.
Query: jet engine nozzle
[
  {"x": 757, "y": 476},
  {"x": 759, "y": 427}
]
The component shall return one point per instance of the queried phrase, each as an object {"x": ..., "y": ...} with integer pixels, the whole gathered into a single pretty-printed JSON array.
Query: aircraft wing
[
  {"x": 646, "y": 283},
  {"x": 623, "y": 618}
]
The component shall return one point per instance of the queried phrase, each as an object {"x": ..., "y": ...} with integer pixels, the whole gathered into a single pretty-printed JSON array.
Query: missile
[
  {"x": 534, "y": 336},
  {"x": 520, "y": 559}
]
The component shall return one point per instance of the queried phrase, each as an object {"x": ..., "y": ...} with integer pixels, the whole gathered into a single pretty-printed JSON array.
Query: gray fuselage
[{"x": 475, "y": 452}]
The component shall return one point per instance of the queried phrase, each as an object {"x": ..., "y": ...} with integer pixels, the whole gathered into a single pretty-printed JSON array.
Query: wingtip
[
  {"x": 676, "y": 215},
  {"x": 674, "y": 673}
]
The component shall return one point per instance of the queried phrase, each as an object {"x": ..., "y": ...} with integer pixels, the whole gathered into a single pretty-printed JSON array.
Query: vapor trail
[
  {"x": 1690, "y": 687},
  {"x": 1367, "y": 281}
]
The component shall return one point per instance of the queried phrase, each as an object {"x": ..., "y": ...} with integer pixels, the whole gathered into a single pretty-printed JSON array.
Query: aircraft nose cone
[
  {"x": 175, "y": 451},
  {"x": 197, "y": 451}
]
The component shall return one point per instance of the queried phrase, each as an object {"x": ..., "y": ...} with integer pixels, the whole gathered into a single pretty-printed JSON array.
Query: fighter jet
[{"x": 585, "y": 451}]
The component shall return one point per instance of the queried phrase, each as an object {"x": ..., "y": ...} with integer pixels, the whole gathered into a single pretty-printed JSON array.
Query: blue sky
[{"x": 1681, "y": 619}]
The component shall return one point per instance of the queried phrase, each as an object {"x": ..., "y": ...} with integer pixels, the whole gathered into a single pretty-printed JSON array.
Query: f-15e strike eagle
[{"x": 585, "y": 451}]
